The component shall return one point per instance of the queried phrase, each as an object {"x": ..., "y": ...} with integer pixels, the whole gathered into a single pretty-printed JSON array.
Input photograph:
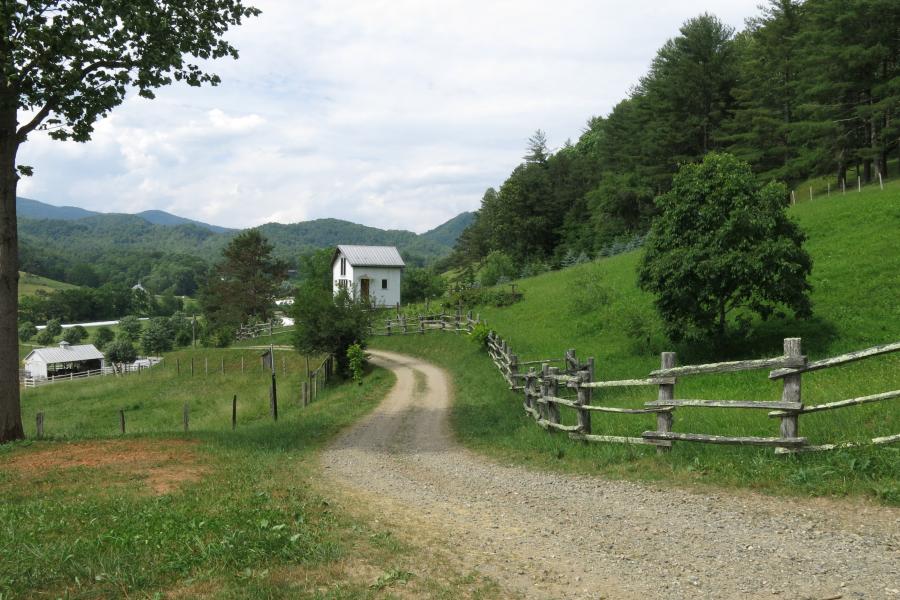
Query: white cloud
[{"x": 394, "y": 114}]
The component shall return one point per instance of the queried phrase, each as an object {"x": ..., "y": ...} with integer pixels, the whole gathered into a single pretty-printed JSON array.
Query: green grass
[
  {"x": 29, "y": 284},
  {"x": 249, "y": 520},
  {"x": 856, "y": 280}
]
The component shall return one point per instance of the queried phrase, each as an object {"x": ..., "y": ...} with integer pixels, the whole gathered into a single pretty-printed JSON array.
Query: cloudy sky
[{"x": 392, "y": 113}]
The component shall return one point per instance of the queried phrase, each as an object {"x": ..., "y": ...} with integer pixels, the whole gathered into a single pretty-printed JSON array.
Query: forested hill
[
  {"x": 807, "y": 89},
  {"x": 118, "y": 248}
]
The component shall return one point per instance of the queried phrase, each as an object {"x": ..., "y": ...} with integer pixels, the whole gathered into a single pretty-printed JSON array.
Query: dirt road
[{"x": 546, "y": 535}]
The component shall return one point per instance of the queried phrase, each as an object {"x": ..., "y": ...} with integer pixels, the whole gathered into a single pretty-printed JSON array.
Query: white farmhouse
[
  {"x": 64, "y": 360},
  {"x": 369, "y": 271}
]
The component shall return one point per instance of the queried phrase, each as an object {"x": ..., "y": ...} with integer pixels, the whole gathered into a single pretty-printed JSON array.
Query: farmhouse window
[
  {"x": 384, "y": 284},
  {"x": 343, "y": 266}
]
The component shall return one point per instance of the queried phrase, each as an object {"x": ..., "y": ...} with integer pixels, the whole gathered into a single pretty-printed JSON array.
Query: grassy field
[
  {"x": 29, "y": 284},
  {"x": 592, "y": 308},
  {"x": 211, "y": 513}
]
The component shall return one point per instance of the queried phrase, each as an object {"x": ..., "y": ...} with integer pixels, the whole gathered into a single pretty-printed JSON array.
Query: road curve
[{"x": 550, "y": 535}]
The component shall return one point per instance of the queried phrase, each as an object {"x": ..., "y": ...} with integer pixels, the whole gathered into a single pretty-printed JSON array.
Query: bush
[
  {"x": 329, "y": 323},
  {"x": 74, "y": 335},
  {"x": 54, "y": 327},
  {"x": 419, "y": 284},
  {"x": 44, "y": 337},
  {"x": 120, "y": 352},
  {"x": 496, "y": 266},
  {"x": 479, "y": 335},
  {"x": 27, "y": 330},
  {"x": 158, "y": 336},
  {"x": 356, "y": 359},
  {"x": 103, "y": 336},
  {"x": 587, "y": 294},
  {"x": 130, "y": 329}
]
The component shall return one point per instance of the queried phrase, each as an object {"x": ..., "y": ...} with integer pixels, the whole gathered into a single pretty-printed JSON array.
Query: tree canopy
[
  {"x": 723, "y": 244},
  {"x": 64, "y": 66},
  {"x": 244, "y": 284}
]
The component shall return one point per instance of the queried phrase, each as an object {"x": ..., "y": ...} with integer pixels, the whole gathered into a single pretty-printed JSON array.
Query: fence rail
[
  {"x": 33, "y": 382},
  {"x": 543, "y": 400}
]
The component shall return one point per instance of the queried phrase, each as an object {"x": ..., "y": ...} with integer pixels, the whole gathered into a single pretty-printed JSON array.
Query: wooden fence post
[
  {"x": 543, "y": 407},
  {"x": 206, "y": 364},
  {"x": 273, "y": 399},
  {"x": 529, "y": 403},
  {"x": 122, "y": 421},
  {"x": 553, "y": 389},
  {"x": 178, "y": 366},
  {"x": 790, "y": 421},
  {"x": 192, "y": 366},
  {"x": 234, "y": 412},
  {"x": 222, "y": 365},
  {"x": 513, "y": 370},
  {"x": 186, "y": 416},
  {"x": 665, "y": 420},
  {"x": 39, "y": 425},
  {"x": 584, "y": 398},
  {"x": 388, "y": 327},
  {"x": 421, "y": 324},
  {"x": 242, "y": 364}
]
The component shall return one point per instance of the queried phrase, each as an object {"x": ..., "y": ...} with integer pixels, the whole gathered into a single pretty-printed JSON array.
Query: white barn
[
  {"x": 47, "y": 362},
  {"x": 370, "y": 271}
]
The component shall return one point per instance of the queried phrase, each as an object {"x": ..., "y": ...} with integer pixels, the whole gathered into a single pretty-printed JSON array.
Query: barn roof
[
  {"x": 66, "y": 353},
  {"x": 370, "y": 256}
]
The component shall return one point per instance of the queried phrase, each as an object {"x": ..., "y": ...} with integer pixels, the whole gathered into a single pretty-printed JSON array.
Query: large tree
[
  {"x": 67, "y": 63},
  {"x": 723, "y": 244},
  {"x": 243, "y": 286}
]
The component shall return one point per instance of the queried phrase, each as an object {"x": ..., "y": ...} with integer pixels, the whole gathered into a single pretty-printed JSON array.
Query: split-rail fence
[{"x": 549, "y": 385}]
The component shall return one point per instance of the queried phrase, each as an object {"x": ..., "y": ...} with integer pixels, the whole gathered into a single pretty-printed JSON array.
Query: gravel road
[{"x": 549, "y": 535}]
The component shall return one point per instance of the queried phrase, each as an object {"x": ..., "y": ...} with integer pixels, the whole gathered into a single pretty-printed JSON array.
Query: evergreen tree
[{"x": 244, "y": 284}]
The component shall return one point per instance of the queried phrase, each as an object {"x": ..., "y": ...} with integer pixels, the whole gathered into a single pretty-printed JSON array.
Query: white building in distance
[
  {"x": 369, "y": 271},
  {"x": 66, "y": 359}
]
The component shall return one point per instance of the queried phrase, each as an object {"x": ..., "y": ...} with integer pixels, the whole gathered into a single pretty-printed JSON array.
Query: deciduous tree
[
  {"x": 66, "y": 64},
  {"x": 722, "y": 244}
]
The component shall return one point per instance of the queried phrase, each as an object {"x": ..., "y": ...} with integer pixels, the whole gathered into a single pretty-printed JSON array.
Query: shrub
[
  {"x": 479, "y": 335},
  {"x": 120, "y": 352},
  {"x": 45, "y": 337},
  {"x": 74, "y": 335},
  {"x": 330, "y": 323},
  {"x": 158, "y": 336},
  {"x": 356, "y": 360},
  {"x": 54, "y": 327},
  {"x": 496, "y": 266},
  {"x": 27, "y": 330},
  {"x": 130, "y": 329},
  {"x": 102, "y": 337}
]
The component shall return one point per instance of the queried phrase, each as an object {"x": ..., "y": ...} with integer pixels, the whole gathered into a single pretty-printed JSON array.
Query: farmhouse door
[{"x": 364, "y": 288}]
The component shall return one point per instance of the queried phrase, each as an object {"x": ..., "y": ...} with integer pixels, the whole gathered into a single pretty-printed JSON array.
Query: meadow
[
  {"x": 597, "y": 309},
  {"x": 214, "y": 512}
]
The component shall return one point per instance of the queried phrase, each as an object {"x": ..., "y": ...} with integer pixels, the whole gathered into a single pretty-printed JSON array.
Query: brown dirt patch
[{"x": 163, "y": 466}]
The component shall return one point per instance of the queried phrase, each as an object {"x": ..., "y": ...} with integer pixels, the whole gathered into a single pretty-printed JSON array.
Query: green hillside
[
  {"x": 596, "y": 308},
  {"x": 29, "y": 284}
]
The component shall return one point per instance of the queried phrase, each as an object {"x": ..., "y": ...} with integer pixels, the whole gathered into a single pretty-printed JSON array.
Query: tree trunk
[{"x": 10, "y": 410}]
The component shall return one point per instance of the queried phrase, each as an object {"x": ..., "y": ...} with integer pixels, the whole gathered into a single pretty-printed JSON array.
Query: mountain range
[{"x": 65, "y": 236}]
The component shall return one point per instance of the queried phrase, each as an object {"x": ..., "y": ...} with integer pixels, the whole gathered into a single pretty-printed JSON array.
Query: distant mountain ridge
[
  {"x": 35, "y": 209},
  {"x": 54, "y": 240}
]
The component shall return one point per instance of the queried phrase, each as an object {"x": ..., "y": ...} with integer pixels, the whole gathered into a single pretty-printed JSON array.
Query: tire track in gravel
[{"x": 551, "y": 535}]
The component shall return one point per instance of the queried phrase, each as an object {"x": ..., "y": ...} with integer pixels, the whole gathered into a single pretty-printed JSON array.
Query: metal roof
[
  {"x": 65, "y": 353},
  {"x": 371, "y": 256}
]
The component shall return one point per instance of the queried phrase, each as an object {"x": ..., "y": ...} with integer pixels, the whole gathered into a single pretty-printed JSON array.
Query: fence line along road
[{"x": 543, "y": 398}]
